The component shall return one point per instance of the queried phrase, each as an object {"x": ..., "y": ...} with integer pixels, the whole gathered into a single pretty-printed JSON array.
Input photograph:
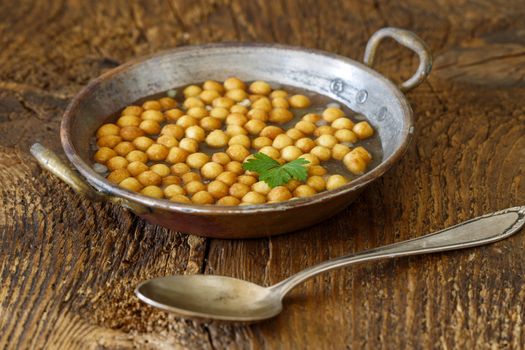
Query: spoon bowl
[{"x": 215, "y": 297}]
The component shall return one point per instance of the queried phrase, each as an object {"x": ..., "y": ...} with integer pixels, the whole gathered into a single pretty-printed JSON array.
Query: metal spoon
[{"x": 231, "y": 299}]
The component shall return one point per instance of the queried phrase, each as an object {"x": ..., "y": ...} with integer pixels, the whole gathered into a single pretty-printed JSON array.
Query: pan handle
[
  {"x": 409, "y": 40},
  {"x": 51, "y": 162}
]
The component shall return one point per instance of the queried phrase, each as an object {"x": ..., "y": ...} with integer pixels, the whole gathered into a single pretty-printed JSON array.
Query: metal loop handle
[
  {"x": 409, "y": 40},
  {"x": 52, "y": 163}
]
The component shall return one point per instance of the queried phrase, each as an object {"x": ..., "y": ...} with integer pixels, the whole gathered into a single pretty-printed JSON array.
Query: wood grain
[{"x": 68, "y": 266}]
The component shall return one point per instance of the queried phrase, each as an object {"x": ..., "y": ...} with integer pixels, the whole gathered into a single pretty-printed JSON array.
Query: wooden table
[{"x": 69, "y": 266}]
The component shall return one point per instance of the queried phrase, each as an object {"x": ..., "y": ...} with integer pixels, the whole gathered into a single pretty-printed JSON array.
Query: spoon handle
[{"x": 481, "y": 230}]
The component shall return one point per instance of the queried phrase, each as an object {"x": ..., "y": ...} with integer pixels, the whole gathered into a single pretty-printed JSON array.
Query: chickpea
[
  {"x": 260, "y": 87},
  {"x": 219, "y": 112},
  {"x": 186, "y": 121},
  {"x": 263, "y": 103},
  {"x": 227, "y": 177},
  {"x": 173, "y": 114},
  {"x": 137, "y": 155},
  {"x": 316, "y": 182},
  {"x": 195, "y": 132},
  {"x": 191, "y": 102},
  {"x": 247, "y": 179},
  {"x": 130, "y": 184},
  {"x": 117, "y": 162},
  {"x": 197, "y": 112},
  {"x": 238, "y": 190},
  {"x": 261, "y": 142},
  {"x": 279, "y": 194},
  {"x": 135, "y": 168},
  {"x": 124, "y": 148},
  {"x": 161, "y": 169},
  {"x": 179, "y": 198},
  {"x": 335, "y": 181},
  {"x": 153, "y": 191},
  {"x": 167, "y": 102},
  {"x": 280, "y": 115},
  {"x": 234, "y": 83},
  {"x": 118, "y": 175},
  {"x": 109, "y": 141},
  {"x": 189, "y": 177},
  {"x": 235, "y": 167},
  {"x": 306, "y": 127},
  {"x": 157, "y": 152},
  {"x": 271, "y": 131},
  {"x": 342, "y": 123},
  {"x": 132, "y": 110},
  {"x": 294, "y": 134},
  {"x": 191, "y": 91},
  {"x": 290, "y": 153},
  {"x": 128, "y": 120},
  {"x": 197, "y": 160},
  {"x": 318, "y": 170},
  {"x": 324, "y": 130},
  {"x": 232, "y": 130},
  {"x": 236, "y": 94},
  {"x": 292, "y": 184},
  {"x": 176, "y": 131},
  {"x": 328, "y": 141},
  {"x": 339, "y": 151},
  {"x": 211, "y": 170},
  {"x": 258, "y": 114},
  {"x": 224, "y": 102},
  {"x": 254, "y": 126},
  {"x": 173, "y": 190},
  {"x": 168, "y": 141},
  {"x": 142, "y": 143},
  {"x": 253, "y": 197},
  {"x": 202, "y": 197},
  {"x": 239, "y": 109},
  {"x": 176, "y": 155},
  {"x": 180, "y": 169},
  {"x": 280, "y": 102},
  {"x": 153, "y": 115},
  {"x": 221, "y": 158},
  {"x": 228, "y": 200},
  {"x": 108, "y": 129},
  {"x": 261, "y": 187},
  {"x": 299, "y": 101},
  {"x": 312, "y": 159},
  {"x": 212, "y": 85},
  {"x": 210, "y": 123},
  {"x": 242, "y": 140},
  {"x": 312, "y": 118},
  {"x": 237, "y": 152},
  {"x": 218, "y": 189},
  {"x": 271, "y": 152},
  {"x": 217, "y": 138},
  {"x": 279, "y": 94},
  {"x": 363, "y": 130},
  {"x": 170, "y": 180},
  {"x": 236, "y": 119},
  {"x": 209, "y": 95},
  {"x": 367, "y": 157},
  {"x": 193, "y": 187},
  {"x": 130, "y": 133},
  {"x": 354, "y": 163},
  {"x": 150, "y": 127},
  {"x": 332, "y": 113},
  {"x": 305, "y": 144},
  {"x": 104, "y": 154},
  {"x": 189, "y": 145},
  {"x": 321, "y": 152},
  {"x": 149, "y": 177},
  {"x": 155, "y": 105},
  {"x": 304, "y": 191},
  {"x": 344, "y": 135}
]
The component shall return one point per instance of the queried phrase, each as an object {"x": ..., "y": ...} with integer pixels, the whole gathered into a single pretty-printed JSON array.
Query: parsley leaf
[{"x": 275, "y": 174}]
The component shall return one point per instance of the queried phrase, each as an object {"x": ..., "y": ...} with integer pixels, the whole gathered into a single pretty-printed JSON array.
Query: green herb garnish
[{"x": 275, "y": 174}]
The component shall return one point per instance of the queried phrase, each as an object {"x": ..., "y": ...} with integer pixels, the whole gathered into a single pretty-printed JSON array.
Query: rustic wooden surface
[{"x": 68, "y": 266}]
